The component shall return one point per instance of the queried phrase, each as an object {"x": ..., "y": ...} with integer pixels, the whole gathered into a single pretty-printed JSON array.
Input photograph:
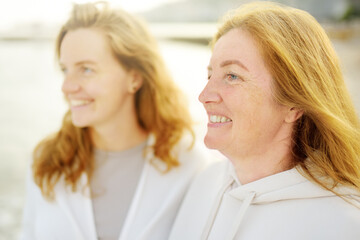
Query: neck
[
  {"x": 112, "y": 141},
  {"x": 118, "y": 137},
  {"x": 274, "y": 159}
]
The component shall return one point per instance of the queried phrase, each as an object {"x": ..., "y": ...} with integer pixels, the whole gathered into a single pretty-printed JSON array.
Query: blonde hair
[
  {"x": 159, "y": 105},
  {"x": 306, "y": 75}
]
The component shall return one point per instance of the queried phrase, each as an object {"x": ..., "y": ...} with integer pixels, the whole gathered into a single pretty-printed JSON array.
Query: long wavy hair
[
  {"x": 306, "y": 75},
  {"x": 160, "y": 106}
]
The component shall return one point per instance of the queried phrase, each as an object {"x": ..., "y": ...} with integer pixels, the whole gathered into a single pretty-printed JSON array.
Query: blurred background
[{"x": 31, "y": 102}]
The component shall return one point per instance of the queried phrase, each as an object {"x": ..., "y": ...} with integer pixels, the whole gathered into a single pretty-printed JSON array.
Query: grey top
[{"x": 113, "y": 185}]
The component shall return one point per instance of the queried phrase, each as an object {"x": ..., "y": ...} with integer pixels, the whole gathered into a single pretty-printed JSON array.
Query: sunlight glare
[{"x": 18, "y": 12}]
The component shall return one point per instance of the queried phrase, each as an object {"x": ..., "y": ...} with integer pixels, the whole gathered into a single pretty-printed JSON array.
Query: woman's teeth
[
  {"x": 75, "y": 103},
  {"x": 219, "y": 119}
]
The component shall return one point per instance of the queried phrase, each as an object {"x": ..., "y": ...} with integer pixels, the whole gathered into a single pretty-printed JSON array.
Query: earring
[{"x": 134, "y": 88}]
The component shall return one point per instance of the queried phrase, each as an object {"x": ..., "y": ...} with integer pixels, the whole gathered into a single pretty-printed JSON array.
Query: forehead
[
  {"x": 238, "y": 44},
  {"x": 83, "y": 44}
]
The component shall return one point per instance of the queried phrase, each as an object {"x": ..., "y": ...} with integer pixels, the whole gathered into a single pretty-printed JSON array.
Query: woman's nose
[
  {"x": 70, "y": 85},
  {"x": 210, "y": 93}
]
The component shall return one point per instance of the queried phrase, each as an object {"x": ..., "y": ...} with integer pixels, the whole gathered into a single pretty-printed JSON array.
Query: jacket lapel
[
  {"x": 138, "y": 211},
  {"x": 77, "y": 206}
]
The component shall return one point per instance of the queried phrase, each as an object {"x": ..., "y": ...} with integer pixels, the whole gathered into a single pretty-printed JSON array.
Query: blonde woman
[
  {"x": 120, "y": 164},
  {"x": 280, "y": 112}
]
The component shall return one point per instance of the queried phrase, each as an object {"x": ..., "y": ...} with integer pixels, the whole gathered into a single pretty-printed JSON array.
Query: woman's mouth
[
  {"x": 218, "y": 119},
  {"x": 78, "y": 102}
]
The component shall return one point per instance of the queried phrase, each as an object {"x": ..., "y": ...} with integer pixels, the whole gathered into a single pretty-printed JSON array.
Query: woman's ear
[
  {"x": 293, "y": 115},
  {"x": 135, "y": 82}
]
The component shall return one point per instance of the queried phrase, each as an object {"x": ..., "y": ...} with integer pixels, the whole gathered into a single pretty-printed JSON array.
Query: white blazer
[{"x": 151, "y": 214}]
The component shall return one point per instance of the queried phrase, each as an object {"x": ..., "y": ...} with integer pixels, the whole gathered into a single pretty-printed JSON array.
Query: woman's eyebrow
[{"x": 237, "y": 62}]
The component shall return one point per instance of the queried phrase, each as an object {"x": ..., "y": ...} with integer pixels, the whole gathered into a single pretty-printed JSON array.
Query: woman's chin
[
  {"x": 212, "y": 143},
  {"x": 78, "y": 123}
]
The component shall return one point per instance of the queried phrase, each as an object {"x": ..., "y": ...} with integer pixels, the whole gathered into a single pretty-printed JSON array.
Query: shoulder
[
  {"x": 345, "y": 209},
  {"x": 60, "y": 187},
  {"x": 322, "y": 208},
  {"x": 341, "y": 218}
]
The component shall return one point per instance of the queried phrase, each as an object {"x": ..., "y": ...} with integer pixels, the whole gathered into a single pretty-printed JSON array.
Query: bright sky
[{"x": 20, "y": 11}]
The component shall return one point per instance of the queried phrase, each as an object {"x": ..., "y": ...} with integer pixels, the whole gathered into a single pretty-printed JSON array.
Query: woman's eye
[
  {"x": 231, "y": 77},
  {"x": 63, "y": 69},
  {"x": 87, "y": 70}
]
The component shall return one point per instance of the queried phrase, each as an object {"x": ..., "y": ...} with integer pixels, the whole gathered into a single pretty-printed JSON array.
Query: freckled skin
[{"x": 257, "y": 120}]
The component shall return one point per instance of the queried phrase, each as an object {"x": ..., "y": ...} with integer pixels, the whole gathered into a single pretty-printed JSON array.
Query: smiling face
[
  {"x": 244, "y": 119},
  {"x": 96, "y": 85}
]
